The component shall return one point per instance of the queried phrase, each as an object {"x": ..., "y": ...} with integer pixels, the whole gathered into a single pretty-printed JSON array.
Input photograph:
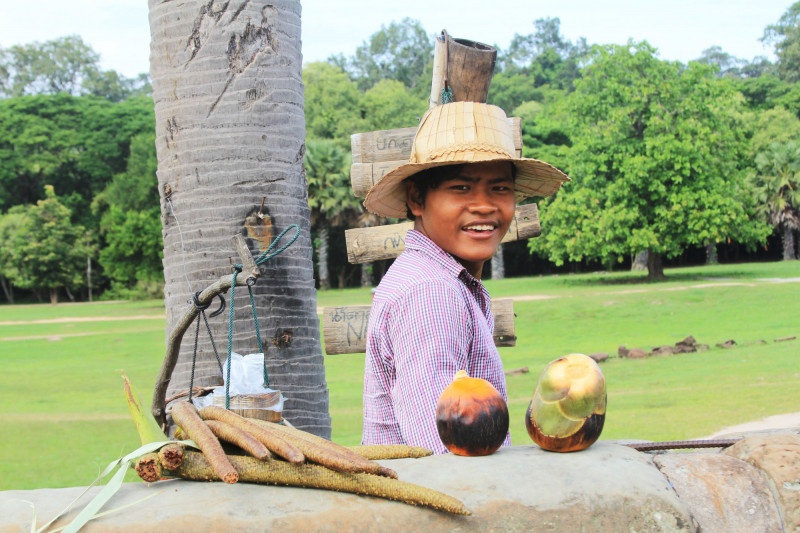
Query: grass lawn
[{"x": 64, "y": 418}]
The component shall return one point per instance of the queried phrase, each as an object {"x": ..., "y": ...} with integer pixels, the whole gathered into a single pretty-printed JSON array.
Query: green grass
[{"x": 64, "y": 418}]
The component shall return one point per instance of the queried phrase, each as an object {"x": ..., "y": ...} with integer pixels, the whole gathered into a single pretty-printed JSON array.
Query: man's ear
[{"x": 414, "y": 198}]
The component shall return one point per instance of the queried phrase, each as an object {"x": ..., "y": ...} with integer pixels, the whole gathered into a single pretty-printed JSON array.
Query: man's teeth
[{"x": 480, "y": 227}]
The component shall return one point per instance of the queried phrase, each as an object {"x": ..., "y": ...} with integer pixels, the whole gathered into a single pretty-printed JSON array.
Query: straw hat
[{"x": 457, "y": 133}]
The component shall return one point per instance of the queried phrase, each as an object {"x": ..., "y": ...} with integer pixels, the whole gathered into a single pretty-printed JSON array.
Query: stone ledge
[{"x": 609, "y": 487}]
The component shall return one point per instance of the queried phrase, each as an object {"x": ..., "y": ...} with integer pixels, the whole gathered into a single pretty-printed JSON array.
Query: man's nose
[{"x": 482, "y": 200}]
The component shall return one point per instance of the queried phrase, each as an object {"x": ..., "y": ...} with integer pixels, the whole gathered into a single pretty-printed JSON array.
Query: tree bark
[
  {"x": 322, "y": 259},
  {"x": 787, "y": 236},
  {"x": 8, "y": 289},
  {"x": 230, "y": 137},
  {"x": 366, "y": 274},
  {"x": 655, "y": 266},
  {"x": 498, "y": 264},
  {"x": 640, "y": 261},
  {"x": 711, "y": 254}
]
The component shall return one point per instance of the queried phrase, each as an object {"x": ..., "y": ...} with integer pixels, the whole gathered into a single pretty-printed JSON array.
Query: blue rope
[
  {"x": 447, "y": 95},
  {"x": 268, "y": 254}
]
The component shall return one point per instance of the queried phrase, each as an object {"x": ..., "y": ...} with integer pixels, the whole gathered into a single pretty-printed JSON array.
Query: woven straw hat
[{"x": 457, "y": 133}]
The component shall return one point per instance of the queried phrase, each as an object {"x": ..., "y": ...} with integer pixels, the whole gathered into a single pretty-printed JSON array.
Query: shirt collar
[{"x": 419, "y": 242}]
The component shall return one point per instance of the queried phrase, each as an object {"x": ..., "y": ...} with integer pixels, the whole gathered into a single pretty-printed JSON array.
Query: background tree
[
  {"x": 329, "y": 197},
  {"x": 725, "y": 64},
  {"x": 784, "y": 35},
  {"x": 227, "y": 84},
  {"x": 332, "y": 103},
  {"x": 45, "y": 251},
  {"x": 776, "y": 182},
  {"x": 399, "y": 51},
  {"x": 63, "y": 65},
  {"x": 545, "y": 56},
  {"x": 653, "y": 163},
  {"x": 130, "y": 225},
  {"x": 75, "y": 144},
  {"x": 12, "y": 224},
  {"x": 776, "y": 125},
  {"x": 389, "y": 104}
]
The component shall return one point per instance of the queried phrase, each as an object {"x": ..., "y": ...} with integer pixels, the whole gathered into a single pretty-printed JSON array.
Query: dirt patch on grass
[
  {"x": 67, "y": 320},
  {"x": 60, "y": 417}
]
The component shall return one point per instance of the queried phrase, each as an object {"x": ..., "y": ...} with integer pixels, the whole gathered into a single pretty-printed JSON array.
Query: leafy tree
[
  {"x": 133, "y": 251},
  {"x": 389, "y": 104},
  {"x": 332, "y": 103},
  {"x": 724, "y": 63},
  {"x": 329, "y": 197},
  {"x": 762, "y": 92},
  {"x": 653, "y": 162},
  {"x": 130, "y": 222},
  {"x": 544, "y": 127},
  {"x": 75, "y": 144},
  {"x": 510, "y": 89},
  {"x": 545, "y": 56},
  {"x": 45, "y": 251},
  {"x": 63, "y": 65},
  {"x": 399, "y": 51},
  {"x": 776, "y": 182},
  {"x": 784, "y": 35},
  {"x": 11, "y": 225},
  {"x": 776, "y": 125}
]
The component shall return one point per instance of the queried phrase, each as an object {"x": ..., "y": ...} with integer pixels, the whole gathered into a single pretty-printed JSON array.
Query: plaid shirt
[{"x": 429, "y": 319}]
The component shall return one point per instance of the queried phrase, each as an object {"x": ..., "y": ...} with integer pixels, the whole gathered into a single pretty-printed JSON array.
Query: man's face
[{"x": 467, "y": 216}]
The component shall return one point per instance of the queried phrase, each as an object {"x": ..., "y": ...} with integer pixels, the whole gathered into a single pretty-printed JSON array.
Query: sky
[{"x": 118, "y": 30}]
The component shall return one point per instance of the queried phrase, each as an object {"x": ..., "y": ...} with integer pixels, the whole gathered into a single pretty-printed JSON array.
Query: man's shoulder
[{"x": 414, "y": 268}]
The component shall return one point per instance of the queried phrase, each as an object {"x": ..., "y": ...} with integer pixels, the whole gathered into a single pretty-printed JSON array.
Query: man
[{"x": 431, "y": 315}]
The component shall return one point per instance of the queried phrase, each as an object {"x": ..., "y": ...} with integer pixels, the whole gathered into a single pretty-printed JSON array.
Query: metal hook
[{"x": 221, "y": 306}]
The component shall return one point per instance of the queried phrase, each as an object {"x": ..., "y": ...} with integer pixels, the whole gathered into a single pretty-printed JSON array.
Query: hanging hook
[
  {"x": 221, "y": 307},
  {"x": 261, "y": 209}
]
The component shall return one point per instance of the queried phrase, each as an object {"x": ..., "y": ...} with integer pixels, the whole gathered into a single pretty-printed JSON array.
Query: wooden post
[
  {"x": 345, "y": 328},
  {"x": 463, "y": 68}
]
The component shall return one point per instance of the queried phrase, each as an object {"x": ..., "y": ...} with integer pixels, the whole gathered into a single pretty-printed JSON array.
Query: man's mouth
[{"x": 480, "y": 227}]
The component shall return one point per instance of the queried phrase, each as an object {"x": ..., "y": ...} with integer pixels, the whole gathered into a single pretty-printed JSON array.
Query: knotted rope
[{"x": 268, "y": 254}]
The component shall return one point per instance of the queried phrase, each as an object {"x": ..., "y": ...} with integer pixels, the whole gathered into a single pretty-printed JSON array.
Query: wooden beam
[
  {"x": 365, "y": 245},
  {"x": 377, "y": 152},
  {"x": 345, "y": 328}
]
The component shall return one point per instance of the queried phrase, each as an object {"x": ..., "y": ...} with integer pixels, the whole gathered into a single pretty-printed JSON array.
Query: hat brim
[{"x": 387, "y": 198}]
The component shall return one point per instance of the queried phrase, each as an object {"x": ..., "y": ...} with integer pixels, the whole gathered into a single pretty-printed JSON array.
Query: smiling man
[{"x": 431, "y": 315}]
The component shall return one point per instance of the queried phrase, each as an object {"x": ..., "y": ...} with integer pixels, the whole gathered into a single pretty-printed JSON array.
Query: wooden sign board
[
  {"x": 377, "y": 152},
  {"x": 365, "y": 245},
  {"x": 345, "y": 328}
]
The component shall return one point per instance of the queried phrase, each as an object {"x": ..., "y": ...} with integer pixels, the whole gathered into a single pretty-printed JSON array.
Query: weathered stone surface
[
  {"x": 608, "y": 487},
  {"x": 778, "y": 456},
  {"x": 599, "y": 357},
  {"x": 637, "y": 353},
  {"x": 722, "y": 492}
]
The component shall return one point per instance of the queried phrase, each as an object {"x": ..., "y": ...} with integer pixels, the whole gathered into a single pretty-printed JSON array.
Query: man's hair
[{"x": 431, "y": 178}]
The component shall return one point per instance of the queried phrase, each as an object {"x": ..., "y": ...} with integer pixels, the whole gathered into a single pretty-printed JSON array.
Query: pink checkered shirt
[{"x": 429, "y": 319}]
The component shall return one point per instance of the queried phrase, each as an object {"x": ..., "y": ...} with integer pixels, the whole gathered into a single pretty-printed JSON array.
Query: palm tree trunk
[
  {"x": 498, "y": 264},
  {"x": 322, "y": 259},
  {"x": 366, "y": 274},
  {"x": 787, "y": 236},
  {"x": 230, "y": 135}
]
